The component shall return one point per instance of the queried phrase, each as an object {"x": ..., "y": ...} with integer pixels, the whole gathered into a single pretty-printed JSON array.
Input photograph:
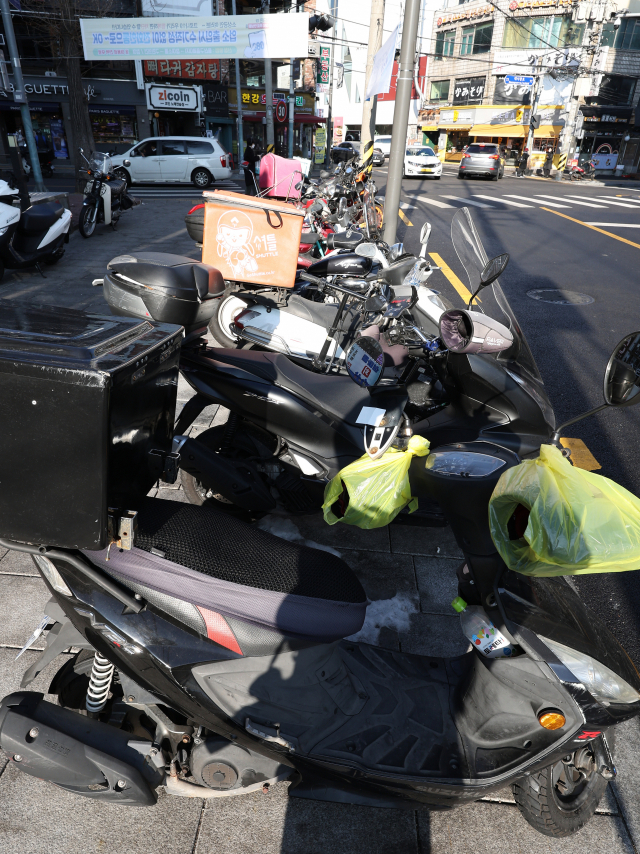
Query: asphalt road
[{"x": 571, "y": 343}]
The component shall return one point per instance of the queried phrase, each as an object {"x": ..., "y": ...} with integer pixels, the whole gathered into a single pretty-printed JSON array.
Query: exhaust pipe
[{"x": 77, "y": 753}]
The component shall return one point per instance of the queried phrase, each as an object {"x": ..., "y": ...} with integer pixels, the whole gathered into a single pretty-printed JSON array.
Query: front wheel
[
  {"x": 88, "y": 219},
  {"x": 201, "y": 179},
  {"x": 561, "y": 799},
  {"x": 124, "y": 175}
]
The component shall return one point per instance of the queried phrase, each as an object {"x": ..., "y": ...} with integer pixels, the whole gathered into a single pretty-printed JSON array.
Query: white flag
[{"x": 380, "y": 80}]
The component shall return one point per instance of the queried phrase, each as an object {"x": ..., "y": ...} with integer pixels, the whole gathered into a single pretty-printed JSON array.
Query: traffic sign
[
  {"x": 281, "y": 111},
  {"x": 518, "y": 80}
]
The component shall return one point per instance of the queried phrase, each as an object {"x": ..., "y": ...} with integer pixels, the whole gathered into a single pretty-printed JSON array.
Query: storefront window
[
  {"x": 544, "y": 144},
  {"x": 440, "y": 90},
  {"x": 542, "y": 31},
  {"x": 117, "y": 126}
]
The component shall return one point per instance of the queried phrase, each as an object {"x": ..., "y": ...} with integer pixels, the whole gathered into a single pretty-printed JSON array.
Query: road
[{"x": 581, "y": 238}]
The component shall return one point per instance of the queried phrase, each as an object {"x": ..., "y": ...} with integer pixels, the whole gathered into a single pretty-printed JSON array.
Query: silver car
[{"x": 482, "y": 158}]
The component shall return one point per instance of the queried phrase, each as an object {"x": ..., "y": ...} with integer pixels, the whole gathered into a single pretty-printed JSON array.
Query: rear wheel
[
  {"x": 561, "y": 799},
  {"x": 201, "y": 178},
  {"x": 219, "y": 325},
  {"x": 88, "y": 219}
]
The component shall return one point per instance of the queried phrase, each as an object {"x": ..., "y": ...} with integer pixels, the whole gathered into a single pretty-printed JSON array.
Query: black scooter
[{"x": 213, "y": 656}]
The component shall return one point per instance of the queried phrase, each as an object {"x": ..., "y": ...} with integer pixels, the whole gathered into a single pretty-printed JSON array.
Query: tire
[
  {"x": 541, "y": 802},
  {"x": 85, "y": 226},
  {"x": 123, "y": 174},
  {"x": 201, "y": 178},
  {"x": 494, "y": 177},
  {"x": 218, "y": 325},
  {"x": 460, "y": 176},
  {"x": 501, "y": 175},
  {"x": 437, "y": 177}
]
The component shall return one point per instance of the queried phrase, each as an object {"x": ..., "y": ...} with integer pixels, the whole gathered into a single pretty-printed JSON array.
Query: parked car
[
  {"x": 345, "y": 151},
  {"x": 378, "y": 157},
  {"x": 422, "y": 160},
  {"x": 383, "y": 143},
  {"x": 175, "y": 159},
  {"x": 483, "y": 158}
]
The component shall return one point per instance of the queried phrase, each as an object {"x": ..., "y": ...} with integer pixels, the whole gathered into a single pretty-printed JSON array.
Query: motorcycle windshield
[
  {"x": 518, "y": 359},
  {"x": 100, "y": 162}
]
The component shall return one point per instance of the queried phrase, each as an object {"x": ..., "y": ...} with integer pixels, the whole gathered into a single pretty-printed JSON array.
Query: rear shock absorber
[
  {"x": 99, "y": 684},
  {"x": 229, "y": 433}
]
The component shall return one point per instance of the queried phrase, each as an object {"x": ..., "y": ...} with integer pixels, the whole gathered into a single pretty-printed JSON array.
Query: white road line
[
  {"x": 632, "y": 203},
  {"x": 529, "y": 199},
  {"x": 573, "y": 201},
  {"x": 436, "y": 204},
  {"x": 504, "y": 201},
  {"x": 604, "y": 201},
  {"x": 468, "y": 201},
  {"x": 616, "y": 224}
]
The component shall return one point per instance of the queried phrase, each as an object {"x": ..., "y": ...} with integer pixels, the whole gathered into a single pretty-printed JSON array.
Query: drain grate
[{"x": 560, "y": 297}]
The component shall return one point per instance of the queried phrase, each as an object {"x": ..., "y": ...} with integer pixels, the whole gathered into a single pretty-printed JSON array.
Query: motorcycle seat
[
  {"x": 173, "y": 274},
  {"x": 117, "y": 185},
  {"x": 344, "y": 241},
  {"x": 318, "y": 312},
  {"x": 40, "y": 218},
  {"x": 236, "y": 584}
]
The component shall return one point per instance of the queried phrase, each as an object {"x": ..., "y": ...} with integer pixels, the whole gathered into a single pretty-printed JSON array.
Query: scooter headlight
[{"x": 603, "y": 683}]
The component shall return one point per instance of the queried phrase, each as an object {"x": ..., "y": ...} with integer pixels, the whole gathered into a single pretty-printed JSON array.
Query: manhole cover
[{"x": 560, "y": 297}]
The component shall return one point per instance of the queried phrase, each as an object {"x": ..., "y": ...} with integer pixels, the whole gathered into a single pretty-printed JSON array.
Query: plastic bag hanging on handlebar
[
  {"x": 370, "y": 493},
  {"x": 578, "y": 522}
]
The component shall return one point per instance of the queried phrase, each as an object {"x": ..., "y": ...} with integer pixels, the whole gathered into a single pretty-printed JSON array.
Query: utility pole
[
  {"x": 332, "y": 62},
  {"x": 268, "y": 91},
  {"x": 292, "y": 106},
  {"x": 368, "y": 130},
  {"x": 537, "y": 85},
  {"x": 20, "y": 97},
  {"x": 238, "y": 100},
  {"x": 401, "y": 119}
]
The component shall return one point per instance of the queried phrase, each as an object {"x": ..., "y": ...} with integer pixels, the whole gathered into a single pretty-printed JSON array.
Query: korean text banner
[{"x": 228, "y": 36}]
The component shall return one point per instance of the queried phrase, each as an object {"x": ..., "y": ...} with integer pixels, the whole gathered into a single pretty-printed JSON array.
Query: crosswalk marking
[
  {"x": 573, "y": 202},
  {"x": 436, "y": 204},
  {"x": 528, "y": 199},
  {"x": 633, "y": 203},
  {"x": 616, "y": 224},
  {"x": 469, "y": 201},
  {"x": 592, "y": 199},
  {"x": 504, "y": 201}
]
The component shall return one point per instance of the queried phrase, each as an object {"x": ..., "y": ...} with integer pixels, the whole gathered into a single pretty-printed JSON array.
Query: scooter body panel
[
  {"x": 286, "y": 333},
  {"x": 105, "y": 198},
  {"x": 60, "y": 227}
]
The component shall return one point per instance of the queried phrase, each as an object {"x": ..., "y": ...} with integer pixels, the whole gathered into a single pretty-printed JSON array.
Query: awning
[
  {"x": 515, "y": 131},
  {"x": 454, "y": 127},
  {"x": 430, "y": 127},
  {"x": 297, "y": 119}
]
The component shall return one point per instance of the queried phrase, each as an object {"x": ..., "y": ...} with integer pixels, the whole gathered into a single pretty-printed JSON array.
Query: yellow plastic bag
[
  {"x": 579, "y": 521},
  {"x": 372, "y": 492}
]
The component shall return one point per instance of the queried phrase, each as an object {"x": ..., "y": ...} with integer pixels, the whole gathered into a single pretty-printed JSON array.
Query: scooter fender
[{"x": 61, "y": 226}]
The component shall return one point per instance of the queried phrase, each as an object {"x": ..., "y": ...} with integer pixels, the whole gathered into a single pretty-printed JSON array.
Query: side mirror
[
  {"x": 622, "y": 377},
  {"x": 126, "y": 163},
  {"x": 364, "y": 361},
  {"x": 494, "y": 268},
  {"x": 395, "y": 251},
  {"x": 342, "y": 207},
  {"x": 366, "y": 250},
  {"x": 425, "y": 234},
  {"x": 473, "y": 332}
]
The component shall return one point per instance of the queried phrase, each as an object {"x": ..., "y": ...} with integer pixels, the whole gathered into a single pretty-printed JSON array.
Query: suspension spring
[
  {"x": 229, "y": 432},
  {"x": 99, "y": 684}
]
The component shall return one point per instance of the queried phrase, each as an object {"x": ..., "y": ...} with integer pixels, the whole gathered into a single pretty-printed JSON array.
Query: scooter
[
  {"x": 586, "y": 172},
  {"x": 215, "y": 659},
  {"x": 106, "y": 196},
  {"x": 32, "y": 237}
]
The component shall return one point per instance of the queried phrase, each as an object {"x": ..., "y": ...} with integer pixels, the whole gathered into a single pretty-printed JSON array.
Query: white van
[
  {"x": 383, "y": 144},
  {"x": 174, "y": 159}
]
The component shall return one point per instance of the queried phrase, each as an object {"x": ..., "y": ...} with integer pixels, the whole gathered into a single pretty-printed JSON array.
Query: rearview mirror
[
  {"x": 366, "y": 250},
  {"x": 493, "y": 269},
  {"x": 425, "y": 233},
  {"x": 395, "y": 251},
  {"x": 622, "y": 377},
  {"x": 342, "y": 207},
  {"x": 364, "y": 361},
  {"x": 473, "y": 332},
  {"x": 126, "y": 163}
]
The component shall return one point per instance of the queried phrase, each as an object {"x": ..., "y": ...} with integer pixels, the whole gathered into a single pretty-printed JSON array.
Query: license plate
[{"x": 426, "y": 170}]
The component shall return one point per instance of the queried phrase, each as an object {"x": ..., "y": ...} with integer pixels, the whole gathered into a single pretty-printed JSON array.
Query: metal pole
[
  {"x": 292, "y": 106},
  {"x": 534, "y": 107},
  {"x": 368, "y": 129},
  {"x": 268, "y": 92},
  {"x": 20, "y": 97},
  {"x": 238, "y": 101},
  {"x": 401, "y": 119},
  {"x": 332, "y": 62}
]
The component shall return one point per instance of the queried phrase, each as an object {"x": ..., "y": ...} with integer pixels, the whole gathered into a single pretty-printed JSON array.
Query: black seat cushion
[
  {"x": 344, "y": 240},
  {"x": 117, "y": 186},
  {"x": 40, "y": 218},
  {"x": 177, "y": 275}
]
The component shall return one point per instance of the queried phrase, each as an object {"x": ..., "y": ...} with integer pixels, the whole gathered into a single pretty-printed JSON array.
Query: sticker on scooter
[{"x": 364, "y": 362}]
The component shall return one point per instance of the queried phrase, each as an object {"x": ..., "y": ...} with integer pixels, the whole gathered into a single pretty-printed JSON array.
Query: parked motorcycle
[
  {"x": 106, "y": 196},
  {"x": 30, "y": 237},
  {"x": 215, "y": 659},
  {"x": 586, "y": 172}
]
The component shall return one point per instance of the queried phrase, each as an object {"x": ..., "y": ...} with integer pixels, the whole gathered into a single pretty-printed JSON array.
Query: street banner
[
  {"x": 321, "y": 143},
  {"x": 324, "y": 68},
  {"x": 380, "y": 80},
  {"x": 226, "y": 36}
]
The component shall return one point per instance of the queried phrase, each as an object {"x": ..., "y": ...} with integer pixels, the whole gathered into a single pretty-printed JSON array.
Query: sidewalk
[{"x": 410, "y": 569}]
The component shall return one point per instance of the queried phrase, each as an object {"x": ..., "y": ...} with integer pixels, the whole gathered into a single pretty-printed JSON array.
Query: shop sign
[
  {"x": 228, "y": 36},
  {"x": 338, "y": 129},
  {"x": 321, "y": 145},
  {"x": 521, "y": 61},
  {"x": 255, "y": 100},
  {"x": 538, "y": 4},
  {"x": 215, "y": 100},
  {"x": 607, "y": 118},
  {"x": 469, "y": 91},
  {"x": 512, "y": 93},
  {"x": 429, "y": 117},
  {"x": 509, "y": 117},
  {"x": 324, "y": 66},
  {"x": 478, "y": 12},
  {"x": 606, "y": 160},
  {"x": 456, "y": 117},
  {"x": 189, "y": 69},
  {"x": 180, "y": 98}
]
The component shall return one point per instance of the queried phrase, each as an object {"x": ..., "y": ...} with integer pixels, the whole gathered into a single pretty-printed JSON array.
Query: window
[
  {"x": 440, "y": 90},
  {"x": 543, "y": 31},
  {"x": 421, "y": 152},
  {"x": 173, "y": 147},
  {"x": 202, "y": 148},
  {"x": 480, "y": 148},
  {"x": 444, "y": 43},
  {"x": 628, "y": 37},
  {"x": 476, "y": 39},
  {"x": 614, "y": 90}
]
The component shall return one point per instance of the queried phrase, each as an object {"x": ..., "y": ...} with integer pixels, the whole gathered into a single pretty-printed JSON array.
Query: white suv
[
  {"x": 383, "y": 144},
  {"x": 174, "y": 159}
]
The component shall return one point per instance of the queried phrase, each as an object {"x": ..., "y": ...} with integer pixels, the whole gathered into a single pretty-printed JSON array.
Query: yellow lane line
[
  {"x": 404, "y": 218},
  {"x": 581, "y": 456},
  {"x": 454, "y": 280},
  {"x": 593, "y": 228}
]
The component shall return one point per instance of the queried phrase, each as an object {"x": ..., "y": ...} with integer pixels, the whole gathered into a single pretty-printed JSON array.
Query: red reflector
[
  {"x": 223, "y": 161},
  {"x": 195, "y": 208},
  {"x": 466, "y": 155},
  {"x": 218, "y": 630},
  {"x": 494, "y": 157}
]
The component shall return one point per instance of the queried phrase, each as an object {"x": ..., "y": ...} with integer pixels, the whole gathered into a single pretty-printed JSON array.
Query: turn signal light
[
  {"x": 466, "y": 155},
  {"x": 494, "y": 157},
  {"x": 552, "y": 720}
]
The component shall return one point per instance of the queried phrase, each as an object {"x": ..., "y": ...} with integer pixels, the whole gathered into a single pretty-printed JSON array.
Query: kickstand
[{"x": 39, "y": 269}]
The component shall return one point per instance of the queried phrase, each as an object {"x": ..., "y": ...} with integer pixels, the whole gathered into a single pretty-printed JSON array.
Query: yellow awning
[
  {"x": 514, "y": 131},
  {"x": 454, "y": 127},
  {"x": 430, "y": 127},
  {"x": 547, "y": 130}
]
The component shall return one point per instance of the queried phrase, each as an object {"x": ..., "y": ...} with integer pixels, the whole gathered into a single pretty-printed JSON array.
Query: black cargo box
[{"x": 83, "y": 399}]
